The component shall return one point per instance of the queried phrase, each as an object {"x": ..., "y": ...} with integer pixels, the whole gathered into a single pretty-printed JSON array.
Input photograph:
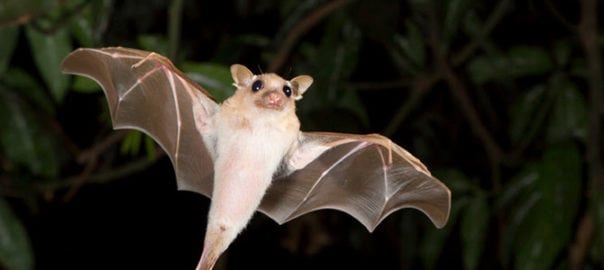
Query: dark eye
[
  {"x": 257, "y": 85},
  {"x": 287, "y": 91}
]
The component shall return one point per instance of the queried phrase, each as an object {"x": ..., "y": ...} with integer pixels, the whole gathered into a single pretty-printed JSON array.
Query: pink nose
[{"x": 274, "y": 98}]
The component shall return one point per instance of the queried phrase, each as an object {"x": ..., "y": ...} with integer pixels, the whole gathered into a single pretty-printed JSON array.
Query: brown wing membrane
[
  {"x": 366, "y": 176},
  {"x": 147, "y": 93}
]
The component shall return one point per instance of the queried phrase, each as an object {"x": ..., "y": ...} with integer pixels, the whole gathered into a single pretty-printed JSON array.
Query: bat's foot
[
  {"x": 214, "y": 245},
  {"x": 208, "y": 259}
]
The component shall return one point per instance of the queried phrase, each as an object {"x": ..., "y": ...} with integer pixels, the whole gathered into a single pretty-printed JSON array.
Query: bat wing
[
  {"x": 146, "y": 92},
  {"x": 366, "y": 176}
]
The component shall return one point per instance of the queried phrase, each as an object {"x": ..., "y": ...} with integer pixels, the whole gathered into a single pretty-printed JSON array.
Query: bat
[{"x": 248, "y": 154}]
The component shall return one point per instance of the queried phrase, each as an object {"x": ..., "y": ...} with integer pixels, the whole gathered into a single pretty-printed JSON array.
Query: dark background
[{"x": 502, "y": 100}]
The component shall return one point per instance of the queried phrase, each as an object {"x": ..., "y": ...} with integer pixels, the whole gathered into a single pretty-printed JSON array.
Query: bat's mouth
[
  {"x": 270, "y": 106},
  {"x": 272, "y": 100}
]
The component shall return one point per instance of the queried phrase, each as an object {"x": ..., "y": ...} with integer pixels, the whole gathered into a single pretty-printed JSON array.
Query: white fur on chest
[
  {"x": 247, "y": 152},
  {"x": 251, "y": 139}
]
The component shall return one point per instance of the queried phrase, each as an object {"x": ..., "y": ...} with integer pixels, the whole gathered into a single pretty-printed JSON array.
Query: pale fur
[{"x": 248, "y": 143}]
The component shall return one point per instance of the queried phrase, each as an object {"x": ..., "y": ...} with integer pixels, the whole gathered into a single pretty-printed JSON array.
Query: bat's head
[{"x": 269, "y": 91}]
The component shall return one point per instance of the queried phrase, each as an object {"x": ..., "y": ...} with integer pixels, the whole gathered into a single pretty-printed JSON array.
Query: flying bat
[{"x": 248, "y": 154}]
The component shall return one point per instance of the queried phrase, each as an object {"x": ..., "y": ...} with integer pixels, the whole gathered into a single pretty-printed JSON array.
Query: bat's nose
[{"x": 274, "y": 98}]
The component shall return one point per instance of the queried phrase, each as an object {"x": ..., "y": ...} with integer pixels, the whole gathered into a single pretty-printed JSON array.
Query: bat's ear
[
  {"x": 302, "y": 83},
  {"x": 241, "y": 75}
]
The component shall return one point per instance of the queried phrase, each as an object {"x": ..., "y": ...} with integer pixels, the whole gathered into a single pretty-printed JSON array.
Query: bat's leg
[
  {"x": 209, "y": 256},
  {"x": 207, "y": 261},
  {"x": 216, "y": 241}
]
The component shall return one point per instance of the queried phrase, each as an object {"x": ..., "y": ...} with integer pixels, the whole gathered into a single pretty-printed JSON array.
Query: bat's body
[
  {"x": 248, "y": 137},
  {"x": 248, "y": 153}
]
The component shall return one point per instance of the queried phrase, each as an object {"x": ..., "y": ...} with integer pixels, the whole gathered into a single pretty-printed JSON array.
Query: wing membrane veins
[
  {"x": 310, "y": 191},
  {"x": 391, "y": 168},
  {"x": 178, "y": 116}
]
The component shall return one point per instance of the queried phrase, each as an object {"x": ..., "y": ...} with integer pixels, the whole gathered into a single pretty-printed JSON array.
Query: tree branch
[
  {"x": 588, "y": 31},
  {"x": 492, "y": 21},
  {"x": 300, "y": 29},
  {"x": 460, "y": 93},
  {"x": 174, "y": 27},
  {"x": 563, "y": 21},
  {"x": 588, "y": 34},
  {"x": 102, "y": 177},
  {"x": 90, "y": 158},
  {"x": 421, "y": 86},
  {"x": 579, "y": 247}
]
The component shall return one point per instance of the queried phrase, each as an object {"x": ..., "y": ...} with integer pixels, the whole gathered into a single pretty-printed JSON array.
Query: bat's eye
[
  {"x": 257, "y": 85},
  {"x": 287, "y": 91}
]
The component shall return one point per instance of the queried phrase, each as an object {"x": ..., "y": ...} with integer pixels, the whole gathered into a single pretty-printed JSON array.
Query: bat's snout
[{"x": 274, "y": 100}]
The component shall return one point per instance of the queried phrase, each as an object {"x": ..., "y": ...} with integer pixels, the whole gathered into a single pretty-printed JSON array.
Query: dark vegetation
[{"x": 503, "y": 100}]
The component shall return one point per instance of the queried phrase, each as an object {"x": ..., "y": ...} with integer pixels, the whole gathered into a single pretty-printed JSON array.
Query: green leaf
[
  {"x": 15, "y": 249},
  {"x": 23, "y": 138},
  {"x": 456, "y": 181},
  {"x": 333, "y": 63},
  {"x": 562, "y": 52},
  {"x": 9, "y": 40},
  {"x": 413, "y": 47},
  {"x": 26, "y": 86},
  {"x": 48, "y": 50},
  {"x": 215, "y": 78},
  {"x": 81, "y": 28},
  {"x": 518, "y": 187},
  {"x": 254, "y": 39},
  {"x": 15, "y": 12},
  {"x": 154, "y": 43},
  {"x": 597, "y": 206},
  {"x": 472, "y": 24},
  {"x": 83, "y": 84},
  {"x": 434, "y": 240},
  {"x": 568, "y": 118},
  {"x": 518, "y": 216},
  {"x": 519, "y": 61},
  {"x": 519, "y": 198},
  {"x": 456, "y": 12},
  {"x": 132, "y": 142},
  {"x": 528, "y": 114},
  {"x": 578, "y": 68},
  {"x": 547, "y": 228},
  {"x": 150, "y": 148},
  {"x": 474, "y": 223}
]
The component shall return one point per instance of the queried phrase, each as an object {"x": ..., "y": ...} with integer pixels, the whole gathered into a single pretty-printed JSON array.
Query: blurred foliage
[
  {"x": 492, "y": 95},
  {"x": 15, "y": 249}
]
